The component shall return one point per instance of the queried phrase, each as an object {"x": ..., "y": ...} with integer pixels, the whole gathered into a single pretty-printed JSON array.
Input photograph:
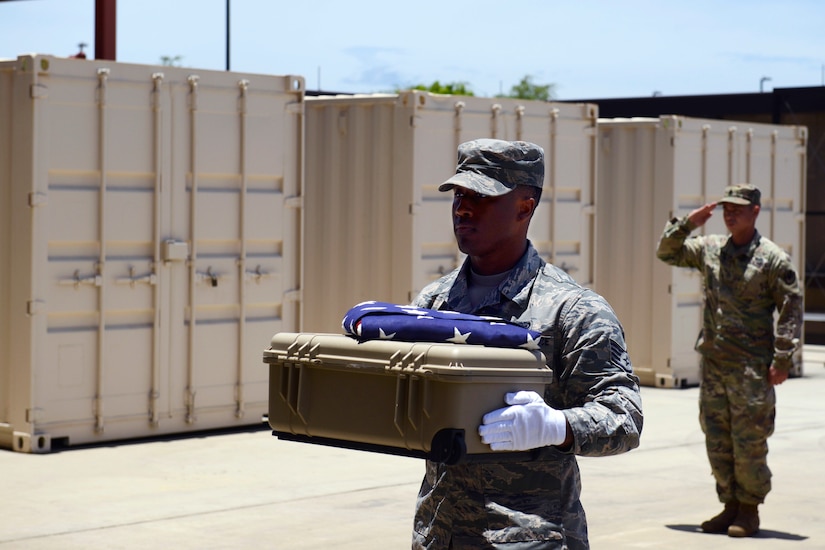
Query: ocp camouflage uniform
[
  {"x": 743, "y": 287},
  {"x": 535, "y": 505}
]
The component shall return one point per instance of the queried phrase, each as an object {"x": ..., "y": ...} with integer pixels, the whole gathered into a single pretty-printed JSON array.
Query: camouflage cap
[
  {"x": 495, "y": 167},
  {"x": 742, "y": 193}
]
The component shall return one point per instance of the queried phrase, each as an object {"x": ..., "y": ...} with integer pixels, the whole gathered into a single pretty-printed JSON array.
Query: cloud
[{"x": 376, "y": 68}]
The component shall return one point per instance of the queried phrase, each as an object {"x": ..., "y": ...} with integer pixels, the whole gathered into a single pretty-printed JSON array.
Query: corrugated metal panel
[
  {"x": 376, "y": 225},
  {"x": 654, "y": 169},
  {"x": 155, "y": 222}
]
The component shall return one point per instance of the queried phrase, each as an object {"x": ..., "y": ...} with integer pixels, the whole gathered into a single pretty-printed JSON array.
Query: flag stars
[
  {"x": 531, "y": 343},
  {"x": 384, "y": 336},
  {"x": 459, "y": 338}
]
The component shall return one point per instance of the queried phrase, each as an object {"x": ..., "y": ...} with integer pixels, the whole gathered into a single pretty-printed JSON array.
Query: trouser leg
[
  {"x": 737, "y": 410},
  {"x": 715, "y": 420},
  {"x": 753, "y": 411}
]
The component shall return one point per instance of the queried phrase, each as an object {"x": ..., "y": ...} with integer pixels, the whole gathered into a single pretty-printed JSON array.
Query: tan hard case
[{"x": 413, "y": 399}]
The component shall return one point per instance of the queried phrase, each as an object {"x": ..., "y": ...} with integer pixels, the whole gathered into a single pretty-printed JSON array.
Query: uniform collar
[
  {"x": 511, "y": 288},
  {"x": 731, "y": 249}
]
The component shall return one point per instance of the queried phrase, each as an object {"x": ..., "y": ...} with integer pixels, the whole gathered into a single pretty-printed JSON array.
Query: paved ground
[{"x": 246, "y": 489}]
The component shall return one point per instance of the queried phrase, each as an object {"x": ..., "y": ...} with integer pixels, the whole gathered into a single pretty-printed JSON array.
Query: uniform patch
[{"x": 618, "y": 356}]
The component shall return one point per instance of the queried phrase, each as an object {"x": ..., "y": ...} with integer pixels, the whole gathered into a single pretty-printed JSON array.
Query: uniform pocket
[
  {"x": 546, "y": 536},
  {"x": 510, "y": 528}
]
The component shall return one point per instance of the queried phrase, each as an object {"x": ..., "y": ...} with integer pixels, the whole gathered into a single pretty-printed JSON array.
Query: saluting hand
[
  {"x": 702, "y": 214},
  {"x": 777, "y": 376}
]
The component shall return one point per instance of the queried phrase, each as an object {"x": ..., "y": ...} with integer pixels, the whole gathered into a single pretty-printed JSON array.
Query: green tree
[
  {"x": 449, "y": 88},
  {"x": 527, "y": 89},
  {"x": 169, "y": 61}
]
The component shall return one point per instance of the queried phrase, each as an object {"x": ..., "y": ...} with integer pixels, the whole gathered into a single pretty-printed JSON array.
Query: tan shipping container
[
  {"x": 150, "y": 246},
  {"x": 652, "y": 169},
  {"x": 377, "y": 226}
]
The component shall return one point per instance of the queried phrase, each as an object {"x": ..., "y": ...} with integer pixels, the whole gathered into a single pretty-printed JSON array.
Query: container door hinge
[
  {"x": 33, "y": 307},
  {"x": 38, "y": 91},
  {"x": 294, "y": 202},
  {"x": 34, "y": 415},
  {"x": 294, "y": 295},
  {"x": 37, "y": 199},
  {"x": 296, "y": 108}
]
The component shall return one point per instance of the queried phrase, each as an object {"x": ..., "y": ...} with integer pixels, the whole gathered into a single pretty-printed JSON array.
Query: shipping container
[
  {"x": 150, "y": 246},
  {"x": 654, "y": 169},
  {"x": 377, "y": 226}
]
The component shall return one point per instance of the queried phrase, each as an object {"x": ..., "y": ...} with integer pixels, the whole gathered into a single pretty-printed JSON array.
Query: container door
[
  {"x": 95, "y": 214},
  {"x": 235, "y": 192}
]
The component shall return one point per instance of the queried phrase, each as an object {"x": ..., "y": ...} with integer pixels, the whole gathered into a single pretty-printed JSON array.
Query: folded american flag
[{"x": 385, "y": 321}]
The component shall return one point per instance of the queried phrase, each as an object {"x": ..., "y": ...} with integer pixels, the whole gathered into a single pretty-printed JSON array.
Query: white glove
[{"x": 528, "y": 423}]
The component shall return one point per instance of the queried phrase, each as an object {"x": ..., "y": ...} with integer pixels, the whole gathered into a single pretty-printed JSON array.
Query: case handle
[
  {"x": 414, "y": 401},
  {"x": 401, "y": 389},
  {"x": 294, "y": 390}
]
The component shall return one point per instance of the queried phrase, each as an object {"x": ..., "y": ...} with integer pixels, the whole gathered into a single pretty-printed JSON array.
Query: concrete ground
[{"x": 247, "y": 489}]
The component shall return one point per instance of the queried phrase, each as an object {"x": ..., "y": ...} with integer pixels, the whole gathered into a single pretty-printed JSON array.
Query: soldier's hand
[
  {"x": 777, "y": 376},
  {"x": 702, "y": 214},
  {"x": 528, "y": 423}
]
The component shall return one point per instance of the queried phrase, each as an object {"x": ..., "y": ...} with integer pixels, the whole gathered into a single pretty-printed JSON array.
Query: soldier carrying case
[{"x": 422, "y": 400}]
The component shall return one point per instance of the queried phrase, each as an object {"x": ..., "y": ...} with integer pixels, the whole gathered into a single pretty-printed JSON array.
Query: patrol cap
[
  {"x": 742, "y": 193},
  {"x": 495, "y": 167}
]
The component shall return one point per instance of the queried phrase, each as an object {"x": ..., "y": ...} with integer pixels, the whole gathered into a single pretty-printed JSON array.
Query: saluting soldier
[{"x": 746, "y": 278}]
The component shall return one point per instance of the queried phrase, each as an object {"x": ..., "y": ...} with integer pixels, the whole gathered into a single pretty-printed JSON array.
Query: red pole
[{"x": 105, "y": 29}]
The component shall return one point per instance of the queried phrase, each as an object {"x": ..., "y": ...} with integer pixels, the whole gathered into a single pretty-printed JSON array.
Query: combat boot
[
  {"x": 722, "y": 521},
  {"x": 746, "y": 523}
]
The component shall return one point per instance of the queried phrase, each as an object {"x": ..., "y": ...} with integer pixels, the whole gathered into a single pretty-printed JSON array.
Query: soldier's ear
[{"x": 526, "y": 207}]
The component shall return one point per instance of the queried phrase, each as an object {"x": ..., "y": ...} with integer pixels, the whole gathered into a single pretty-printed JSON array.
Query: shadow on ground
[{"x": 762, "y": 534}]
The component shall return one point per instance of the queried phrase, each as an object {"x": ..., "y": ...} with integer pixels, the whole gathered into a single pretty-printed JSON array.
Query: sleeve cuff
[{"x": 783, "y": 363}]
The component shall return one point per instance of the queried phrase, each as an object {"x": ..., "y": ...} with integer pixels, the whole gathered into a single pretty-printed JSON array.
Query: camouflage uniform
[
  {"x": 535, "y": 505},
  {"x": 743, "y": 287}
]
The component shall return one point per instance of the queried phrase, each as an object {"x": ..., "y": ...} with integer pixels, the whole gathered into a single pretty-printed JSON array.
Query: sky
[{"x": 587, "y": 49}]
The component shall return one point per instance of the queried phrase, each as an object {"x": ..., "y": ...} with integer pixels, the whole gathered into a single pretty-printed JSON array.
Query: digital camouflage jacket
[{"x": 535, "y": 504}]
